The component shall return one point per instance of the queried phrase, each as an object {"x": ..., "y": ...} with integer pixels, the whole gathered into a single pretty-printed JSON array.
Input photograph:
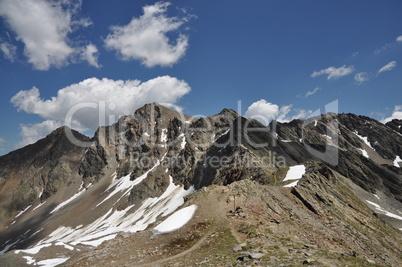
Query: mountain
[{"x": 161, "y": 188}]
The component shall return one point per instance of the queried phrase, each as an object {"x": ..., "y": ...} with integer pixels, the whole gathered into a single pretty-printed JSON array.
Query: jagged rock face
[
  {"x": 366, "y": 148},
  {"x": 396, "y": 125},
  {"x": 38, "y": 170}
]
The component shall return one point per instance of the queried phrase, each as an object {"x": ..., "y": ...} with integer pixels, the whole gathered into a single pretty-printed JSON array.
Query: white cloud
[
  {"x": 387, "y": 67},
  {"x": 399, "y": 39},
  {"x": 9, "y": 51},
  {"x": 145, "y": 38},
  {"x": 31, "y": 133},
  {"x": 265, "y": 112},
  {"x": 334, "y": 73},
  {"x": 396, "y": 114},
  {"x": 298, "y": 114},
  {"x": 124, "y": 96},
  {"x": 361, "y": 77},
  {"x": 262, "y": 111},
  {"x": 43, "y": 26},
  {"x": 309, "y": 93},
  {"x": 90, "y": 54}
]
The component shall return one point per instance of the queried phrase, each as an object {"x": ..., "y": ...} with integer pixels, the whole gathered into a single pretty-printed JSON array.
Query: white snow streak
[
  {"x": 64, "y": 245},
  {"x": 365, "y": 139},
  {"x": 52, "y": 262},
  {"x": 386, "y": 213},
  {"x": 125, "y": 184},
  {"x": 21, "y": 212},
  {"x": 164, "y": 135},
  {"x": 29, "y": 260},
  {"x": 80, "y": 191},
  {"x": 39, "y": 205},
  {"x": 397, "y": 161},
  {"x": 183, "y": 141},
  {"x": 33, "y": 250},
  {"x": 364, "y": 153}
]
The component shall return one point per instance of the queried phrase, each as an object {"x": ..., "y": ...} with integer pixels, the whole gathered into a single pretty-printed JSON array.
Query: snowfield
[
  {"x": 176, "y": 221},
  {"x": 131, "y": 219}
]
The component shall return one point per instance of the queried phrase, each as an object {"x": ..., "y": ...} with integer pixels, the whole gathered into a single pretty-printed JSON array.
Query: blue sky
[{"x": 281, "y": 59}]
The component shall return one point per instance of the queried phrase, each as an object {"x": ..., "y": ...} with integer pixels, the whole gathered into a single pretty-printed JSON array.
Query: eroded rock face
[
  {"x": 365, "y": 151},
  {"x": 38, "y": 170},
  {"x": 396, "y": 125}
]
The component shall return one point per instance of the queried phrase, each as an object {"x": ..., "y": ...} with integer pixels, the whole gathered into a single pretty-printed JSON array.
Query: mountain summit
[{"x": 217, "y": 190}]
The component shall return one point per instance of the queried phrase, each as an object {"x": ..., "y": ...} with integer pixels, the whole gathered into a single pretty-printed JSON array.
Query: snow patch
[
  {"x": 286, "y": 141},
  {"x": 97, "y": 242},
  {"x": 292, "y": 184},
  {"x": 39, "y": 205},
  {"x": 365, "y": 139},
  {"x": 315, "y": 123},
  {"x": 164, "y": 135},
  {"x": 33, "y": 250},
  {"x": 80, "y": 191},
  {"x": 386, "y": 213},
  {"x": 183, "y": 141},
  {"x": 30, "y": 260},
  {"x": 52, "y": 262},
  {"x": 294, "y": 173},
  {"x": 64, "y": 245},
  {"x": 397, "y": 161},
  {"x": 21, "y": 212},
  {"x": 327, "y": 137},
  {"x": 176, "y": 221},
  {"x": 125, "y": 184},
  {"x": 364, "y": 153}
]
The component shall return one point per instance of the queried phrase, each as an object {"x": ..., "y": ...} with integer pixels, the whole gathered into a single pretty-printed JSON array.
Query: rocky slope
[{"x": 59, "y": 200}]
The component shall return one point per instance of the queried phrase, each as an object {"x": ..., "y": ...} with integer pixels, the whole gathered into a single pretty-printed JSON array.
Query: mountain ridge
[{"x": 158, "y": 156}]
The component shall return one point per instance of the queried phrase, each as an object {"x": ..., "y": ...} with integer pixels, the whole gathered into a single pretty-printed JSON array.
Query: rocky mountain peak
[{"x": 395, "y": 125}]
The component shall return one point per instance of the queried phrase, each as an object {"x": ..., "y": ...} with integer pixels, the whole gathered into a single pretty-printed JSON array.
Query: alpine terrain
[{"x": 161, "y": 188}]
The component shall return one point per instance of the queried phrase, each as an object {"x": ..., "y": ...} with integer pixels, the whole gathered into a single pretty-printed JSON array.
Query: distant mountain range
[{"x": 324, "y": 191}]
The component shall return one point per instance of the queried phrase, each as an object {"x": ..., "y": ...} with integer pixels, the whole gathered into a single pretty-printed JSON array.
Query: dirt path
[{"x": 181, "y": 254}]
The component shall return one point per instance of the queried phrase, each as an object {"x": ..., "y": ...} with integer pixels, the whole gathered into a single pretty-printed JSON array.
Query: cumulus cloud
[
  {"x": 399, "y": 38},
  {"x": 31, "y": 133},
  {"x": 90, "y": 54},
  {"x": 9, "y": 50},
  {"x": 312, "y": 92},
  {"x": 44, "y": 27},
  {"x": 265, "y": 112},
  {"x": 396, "y": 114},
  {"x": 388, "y": 67},
  {"x": 116, "y": 97},
  {"x": 145, "y": 38},
  {"x": 333, "y": 72},
  {"x": 361, "y": 77}
]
